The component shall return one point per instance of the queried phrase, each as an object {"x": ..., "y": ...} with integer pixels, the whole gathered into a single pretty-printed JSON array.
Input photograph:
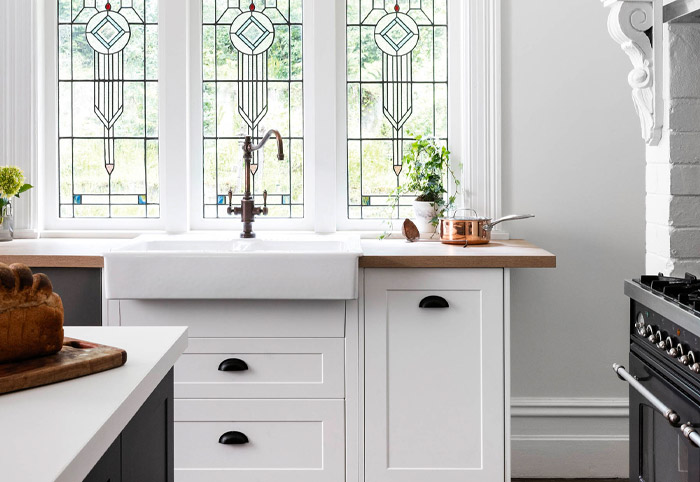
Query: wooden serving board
[{"x": 77, "y": 359}]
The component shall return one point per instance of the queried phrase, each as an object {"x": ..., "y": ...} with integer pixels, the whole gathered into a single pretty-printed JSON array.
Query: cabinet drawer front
[
  {"x": 274, "y": 368},
  {"x": 288, "y": 440},
  {"x": 434, "y": 375},
  {"x": 240, "y": 318}
]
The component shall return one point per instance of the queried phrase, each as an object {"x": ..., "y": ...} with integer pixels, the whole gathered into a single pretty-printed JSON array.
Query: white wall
[
  {"x": 572, "y": 155},
  {"x": 17, "y": 122}
]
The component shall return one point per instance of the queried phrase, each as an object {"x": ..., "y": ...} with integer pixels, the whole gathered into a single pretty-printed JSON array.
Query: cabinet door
[
  {"x": 434, "y": 378},
  {"x": 147, "y": 441},
  {"x": 109, "y": 468}
]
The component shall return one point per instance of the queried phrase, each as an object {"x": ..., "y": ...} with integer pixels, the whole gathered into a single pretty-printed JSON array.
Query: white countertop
[{"x": 60, "y": 431}]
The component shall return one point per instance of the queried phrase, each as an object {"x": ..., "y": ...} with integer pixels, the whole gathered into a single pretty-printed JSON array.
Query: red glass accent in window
[
  {"x": 252, "y": 7},
  {"x": 108, "y": 6},
  {"x": 396, "y": 7}
]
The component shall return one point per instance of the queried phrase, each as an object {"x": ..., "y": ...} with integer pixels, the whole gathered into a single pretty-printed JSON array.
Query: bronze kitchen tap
[{"x": 247, "y": 209}]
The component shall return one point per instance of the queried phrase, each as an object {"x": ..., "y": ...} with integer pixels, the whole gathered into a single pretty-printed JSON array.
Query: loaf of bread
[{"x": 31, "y": 315}]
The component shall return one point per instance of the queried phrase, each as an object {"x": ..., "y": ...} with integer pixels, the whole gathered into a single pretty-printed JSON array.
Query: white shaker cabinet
[{"x": 434, "y": 375}]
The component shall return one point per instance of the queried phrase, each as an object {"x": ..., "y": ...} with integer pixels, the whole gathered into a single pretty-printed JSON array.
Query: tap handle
[
  {"x": 264, "y": 210},
  {"x": 229, "y": 209}
]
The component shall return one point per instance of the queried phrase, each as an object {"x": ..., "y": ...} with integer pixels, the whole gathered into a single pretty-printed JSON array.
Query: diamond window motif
[
  {"x": 108, "y": 32},
  {"x": 252, "y": 33},
  {"x": 397, "y": 34}
]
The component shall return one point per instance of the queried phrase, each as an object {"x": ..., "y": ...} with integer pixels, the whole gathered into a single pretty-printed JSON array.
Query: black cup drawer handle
[
  {"x": 233, "y": 365},
  {"x": 233, "y": 438},
  {"x": 433, "y": 302}
]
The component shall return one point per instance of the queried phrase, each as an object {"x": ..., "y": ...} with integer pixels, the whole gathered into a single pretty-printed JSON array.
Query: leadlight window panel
[
  {"x": 396, "y": 88},
  {"x": 252, "y": 74},
  {"x": 108, "y": 109}
]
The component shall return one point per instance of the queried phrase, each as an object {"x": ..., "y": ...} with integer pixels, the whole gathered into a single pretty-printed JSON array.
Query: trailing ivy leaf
[{"x": 426, "y": 173}]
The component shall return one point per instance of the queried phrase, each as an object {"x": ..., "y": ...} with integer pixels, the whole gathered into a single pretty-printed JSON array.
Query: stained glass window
[
  {"x": 108, "y": 108},
  {"x": 396, "y": 89},
  {"x": 252, "y": 81}
]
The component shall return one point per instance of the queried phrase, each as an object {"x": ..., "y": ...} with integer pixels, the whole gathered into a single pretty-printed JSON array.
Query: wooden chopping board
[{"x": 77, "y": 359}]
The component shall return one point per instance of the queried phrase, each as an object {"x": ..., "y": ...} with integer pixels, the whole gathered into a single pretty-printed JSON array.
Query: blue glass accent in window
[
  {"x": 221, "y": 199},
  {"x": 142, "y": 199},
  {"x": 286, "y": 199},
  {"x": 77, "y": 199}
]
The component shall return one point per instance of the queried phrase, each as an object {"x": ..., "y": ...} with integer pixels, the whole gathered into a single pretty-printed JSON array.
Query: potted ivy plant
[
  {"x": 427, "y": 167},
  {"x": 11, "y": 185}
]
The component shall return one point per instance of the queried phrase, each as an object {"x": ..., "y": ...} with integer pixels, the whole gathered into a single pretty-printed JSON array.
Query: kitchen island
[{"x": 61, "y": 432}]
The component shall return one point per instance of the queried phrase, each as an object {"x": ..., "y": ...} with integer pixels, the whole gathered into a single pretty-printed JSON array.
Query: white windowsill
[{"x": 113, "y": 234}]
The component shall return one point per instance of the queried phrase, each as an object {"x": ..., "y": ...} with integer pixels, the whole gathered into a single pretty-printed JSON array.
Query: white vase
[{"x": 423, "y": 214}]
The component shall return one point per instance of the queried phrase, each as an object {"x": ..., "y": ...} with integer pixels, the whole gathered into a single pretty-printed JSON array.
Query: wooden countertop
[
  {"x": 389, "y": 253},
  {"x": 513, "y": 253}
]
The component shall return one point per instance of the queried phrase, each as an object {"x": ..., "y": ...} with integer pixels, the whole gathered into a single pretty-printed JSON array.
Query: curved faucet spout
[{"x": 266, "y": 137}]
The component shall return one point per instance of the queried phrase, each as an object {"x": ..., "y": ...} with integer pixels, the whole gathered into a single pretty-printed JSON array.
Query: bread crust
[{"x": 31, "y": 314}]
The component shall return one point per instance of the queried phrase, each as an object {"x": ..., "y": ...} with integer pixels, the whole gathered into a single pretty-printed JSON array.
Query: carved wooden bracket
[{"x": 637, "y": 25}]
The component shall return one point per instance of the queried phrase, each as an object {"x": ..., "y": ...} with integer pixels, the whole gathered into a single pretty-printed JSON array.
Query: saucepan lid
[{"x": 463, "y": 215}]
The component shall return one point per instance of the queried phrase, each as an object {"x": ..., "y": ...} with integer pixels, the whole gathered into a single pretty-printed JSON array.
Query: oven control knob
[
  {"x": 675, "y": 351},
  {"x": 695, "y": 367},
  {"x": 664, "y": 343},
  {"x": 653, "y": 336},
  {"x": 640, "y": 325}
]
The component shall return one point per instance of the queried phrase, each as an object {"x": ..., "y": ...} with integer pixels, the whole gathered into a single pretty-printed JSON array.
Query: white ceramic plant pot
[{"x": 423, "y": 214}]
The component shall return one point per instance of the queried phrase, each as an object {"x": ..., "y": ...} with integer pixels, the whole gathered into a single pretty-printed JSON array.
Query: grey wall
[{"x": 573, "y": 155}]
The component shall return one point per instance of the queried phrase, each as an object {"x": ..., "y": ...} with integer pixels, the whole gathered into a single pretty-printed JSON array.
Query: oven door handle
[
  {"x": 669, "y": 414},
  {"x": 691, "y": 434}
]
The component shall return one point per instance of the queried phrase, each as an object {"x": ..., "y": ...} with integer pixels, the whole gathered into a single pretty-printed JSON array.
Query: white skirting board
[{"x": 569, "y": 437}]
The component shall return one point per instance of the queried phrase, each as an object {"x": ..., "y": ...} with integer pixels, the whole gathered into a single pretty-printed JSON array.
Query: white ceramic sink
[{"x": 280, "y": 266}]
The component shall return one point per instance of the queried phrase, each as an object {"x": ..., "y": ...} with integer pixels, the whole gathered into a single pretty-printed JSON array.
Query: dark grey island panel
[
  {"x": 80, "y": 290},
  {"x": 144, "y": 449}
]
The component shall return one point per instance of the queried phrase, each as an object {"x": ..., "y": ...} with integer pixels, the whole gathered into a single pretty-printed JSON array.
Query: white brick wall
[{"x": 673, "y": 167}]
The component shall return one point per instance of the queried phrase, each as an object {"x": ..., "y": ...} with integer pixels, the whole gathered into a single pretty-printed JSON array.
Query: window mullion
[
  {"x": 173, "y": 44},
  {"x": 321, "y": 88}
]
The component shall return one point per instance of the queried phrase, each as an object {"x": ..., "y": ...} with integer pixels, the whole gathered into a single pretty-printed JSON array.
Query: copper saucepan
[{"x": 468, "y": 230}]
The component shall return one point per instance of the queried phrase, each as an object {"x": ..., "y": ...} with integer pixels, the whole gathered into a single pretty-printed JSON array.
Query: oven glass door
[{"x": 659, "y": 452}]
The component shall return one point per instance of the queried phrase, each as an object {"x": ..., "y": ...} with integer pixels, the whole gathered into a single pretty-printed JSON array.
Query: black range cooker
[{"x": 664, "y": 378}]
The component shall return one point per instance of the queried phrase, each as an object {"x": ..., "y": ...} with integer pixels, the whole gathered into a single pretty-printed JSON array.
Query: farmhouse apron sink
[{"x": 223, "y": 267}]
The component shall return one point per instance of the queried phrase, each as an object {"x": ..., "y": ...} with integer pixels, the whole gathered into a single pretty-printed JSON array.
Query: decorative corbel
[{"x": 637, "y": 25}]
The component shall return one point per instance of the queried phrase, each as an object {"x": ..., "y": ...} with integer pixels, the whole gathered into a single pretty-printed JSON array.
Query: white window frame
[
  {"x": 168, "y": 79},
  {"x": 474, "y": 120}
]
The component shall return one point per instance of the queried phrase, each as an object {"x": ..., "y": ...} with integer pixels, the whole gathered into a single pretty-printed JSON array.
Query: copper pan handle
[{"x": 512, "y": 217}]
